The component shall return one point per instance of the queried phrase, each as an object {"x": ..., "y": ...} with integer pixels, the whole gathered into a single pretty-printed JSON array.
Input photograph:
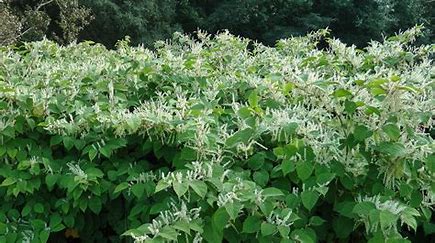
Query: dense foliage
[
  {"x": 208, "y": 140},
  {"x": 32, "y": 20},
  {"x": 353, "y": 21}
]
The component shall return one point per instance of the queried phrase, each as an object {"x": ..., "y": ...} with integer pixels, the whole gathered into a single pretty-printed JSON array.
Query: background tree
[
  {"x": 144, "y": 21},
  {"x": 61, "y": 20}
]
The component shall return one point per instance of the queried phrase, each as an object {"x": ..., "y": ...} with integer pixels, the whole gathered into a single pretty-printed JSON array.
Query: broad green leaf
[
  {"x": 303, "y": 236},
  {"x": 26, "y": 210},
  {"x": 38, "y": 208},
  {"x": 23, "y": 165},
  {"x": 341, "y": 93},
  {"x": 12, "y": 152},
  {"x": 106, "y": 151},
  {"x": 121, "y": 187},
  {"x": 161, "y": 185},
  {"x": 233, "y": 209},
  {"x": 199, "y": 187},
  {"x": 392, "y": 130},
  {"x": 430, "y": 163},
  {"x": 55, "y": 140},
  {"x": 256, "y": 161},
  {"x": 410, "y": 219},
  {"x": 309, "y": 199},
  {"x": 362, "y": 132},
  {"x": 44, "y": 235},
  {"x": 287, "y": 166},
  {"x": 138, "y": 189},
  {"x": 316, "y": 221},
  {"x": 8, "y": 181},
  {"x": 68, "y": 142},
  {"x": 55, "y": 220},
  {"x": 182, "y": 225},
  {"x": 261, "y": 177},
  {"x": 387, "y": 219},
  {"x": 168, "y": 233},
  {"x": 392, "y": 149},
  {"x": 363, "y": 208},
  {"x": 94, "y": 172},
  {"x": 304, "y": 170},
  {"x": 272, "y": 192},
  {"x": 253, "y": 99},
  {"x": 241, "y": 136},
  {"x": 95, "y": 204},
  {"x": 92, "y": 153},
  {"x": 268, "y": 229},
  {"x": 251, "y": 224},
  {"x": 284, "y": 231},
  {"x": 220, "y": 218},
  {"x": 180, "y": 188}
]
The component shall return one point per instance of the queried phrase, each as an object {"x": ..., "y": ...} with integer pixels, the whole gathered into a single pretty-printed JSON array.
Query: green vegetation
[
  {"x": 353, "y": 21},
  {"x": 207, "y": 139}
]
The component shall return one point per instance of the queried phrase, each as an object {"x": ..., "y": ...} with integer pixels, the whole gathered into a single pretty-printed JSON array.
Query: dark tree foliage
[
  {"x": 145, "y": 21},
  {"x": 30, "y": 20}
]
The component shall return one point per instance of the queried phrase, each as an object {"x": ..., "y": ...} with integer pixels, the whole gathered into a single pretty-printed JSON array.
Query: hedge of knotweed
[{"x": 218, "y": 139}]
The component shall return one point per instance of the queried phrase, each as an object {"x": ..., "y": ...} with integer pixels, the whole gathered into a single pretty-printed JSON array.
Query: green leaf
[
  {"x": 362, "y": 132},
  {"x": 284, "y": 231},
  {"x": 12, "y": 152},
  {"x": 38, "y": 208},
  {"x": 387, "y": 219},
  {"x": 292, "y": 201},
  {"x": 43, "y": 236},
  {"x": 304, "y": 170},
  {"x": 272, "y": 192},
  {"x": 220, "y": 218},
  {"x": 287, "y": 166},
  {"x": 199, "y": 187},
  {"x": 121, "y": 187},
  {"x": 106, "y": 151},
  {"x": 95, "y": 204},
  {"x": 408, "y": 217},
  {"x": 341, "y": 93},
  {"x": 241, "y": 136},
  {"x": 261, "y": 177},
  {"x": 169, "y": 233},
  {"x": 251, "y": 224},
  {"x": 253, "y": 99},
  {"x": 161, "y": 185},
  {"x": 316, "y": 221},
  {"x": 8, "y": 181},
  {"x": 180, "y": 188},
  {"x": 138, "y": 189},
  {"x": 55, "y": 140},
  {"x": 256, "y": 161},
  {"x": 303, "y": 236},
  {"x": 94, "y": 172},
  {"x": 92, "y": 153},
  {"x": 309, "y": 199},
  {"x": 392, "y": 130},
  {"x": 50, "y": 180},
  {"x": 343, "y": 226},
  {"x": 233, "y": 209},
  {"x": 392, "y": 149},
  {"x": 324, "y": 178},
  {"x": 268, "y": 229},
  {"x": 68, "y": 142},
  {"x": 430, "y": 163},
  {"x": 182, "y": 225},
  {"x": 55, "y": 220},
  {"x": 363, "y": 208}
]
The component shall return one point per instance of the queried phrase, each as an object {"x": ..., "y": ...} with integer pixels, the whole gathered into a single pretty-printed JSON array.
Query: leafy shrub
[{"x": 217, "y": 139}]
